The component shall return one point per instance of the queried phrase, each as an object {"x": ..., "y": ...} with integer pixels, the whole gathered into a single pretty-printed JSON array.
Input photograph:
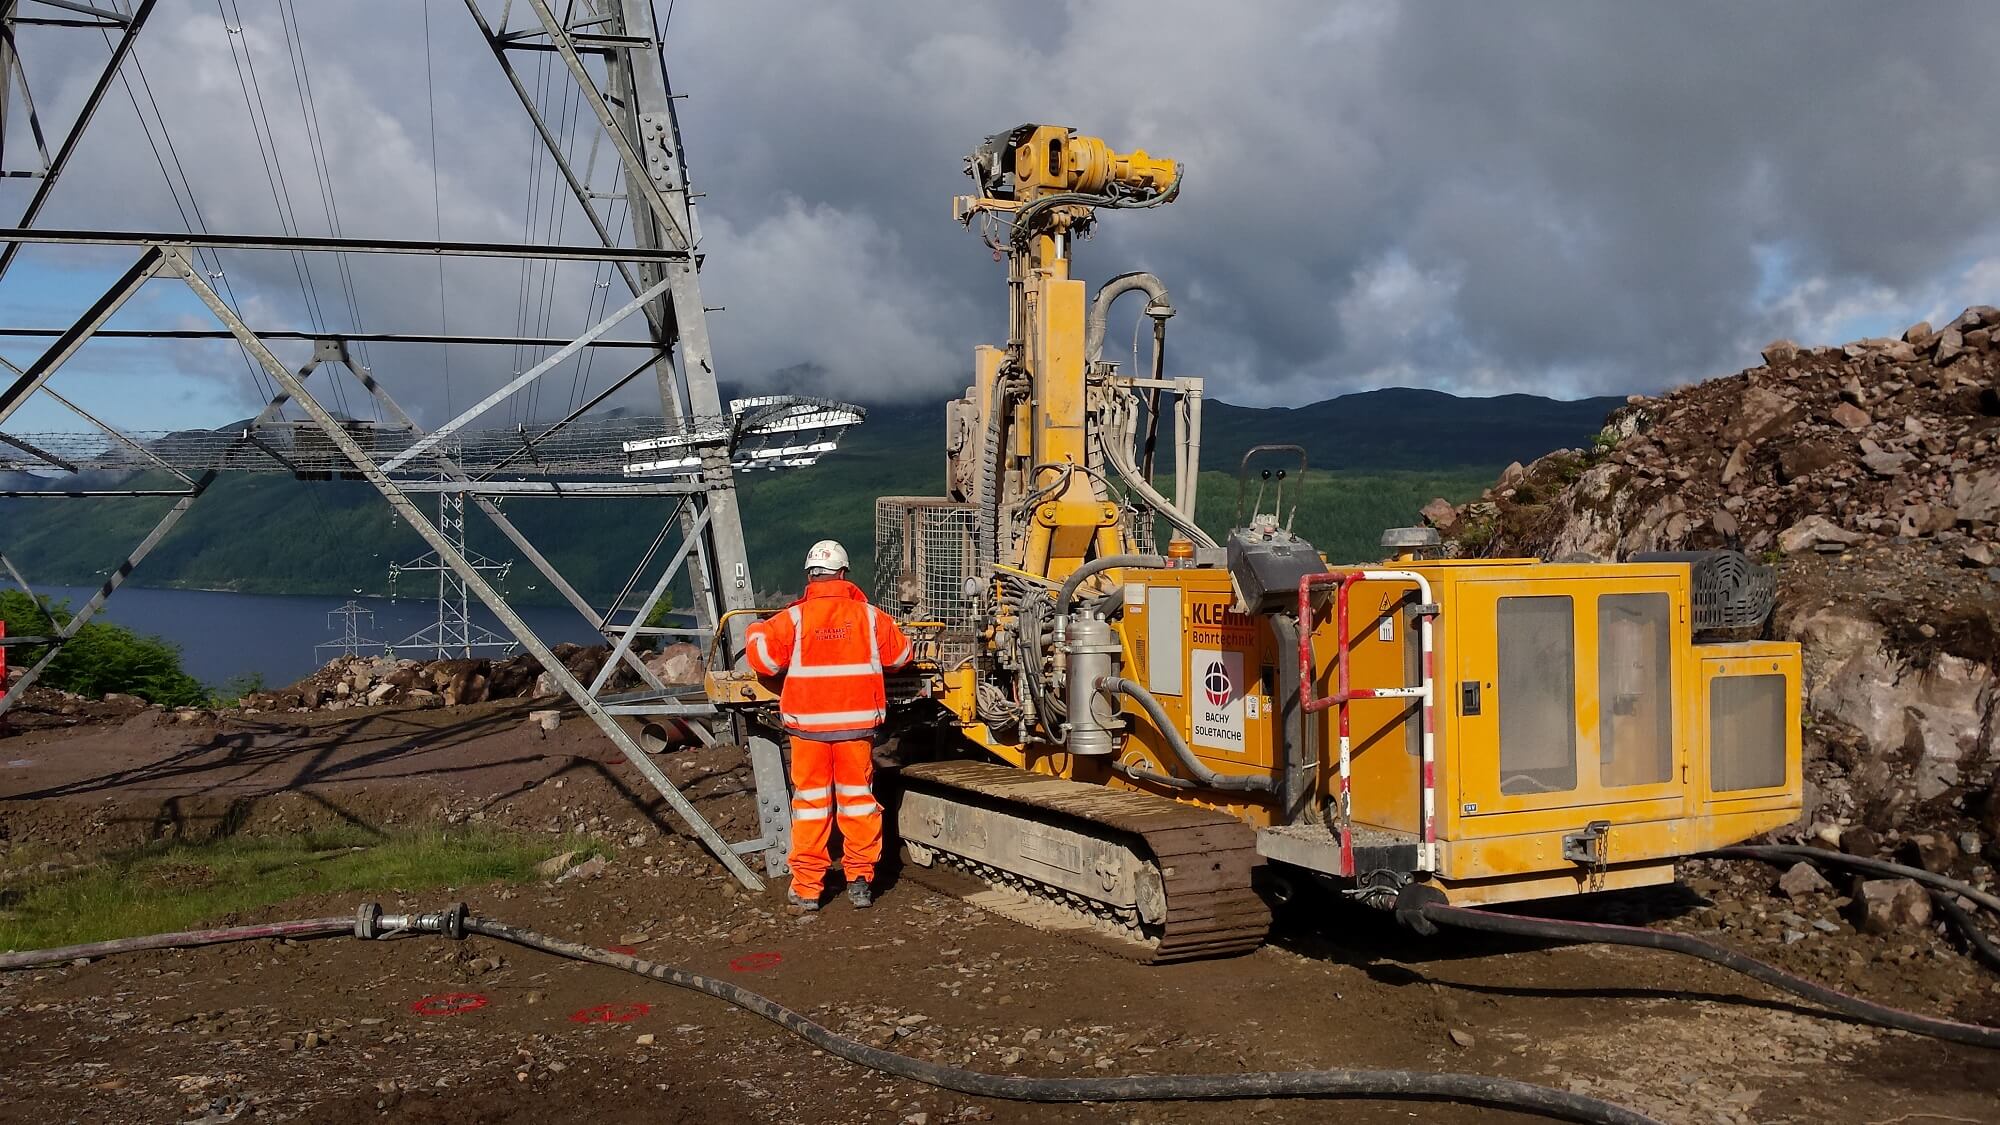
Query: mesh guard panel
[
  {"x": 1730, "y": 591},
  {"x": 923, "y": 555}
]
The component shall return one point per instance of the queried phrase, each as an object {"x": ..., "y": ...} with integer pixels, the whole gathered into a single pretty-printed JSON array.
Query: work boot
[
  {"x": 797, "y": 905},
  {"x": 860, "y": 894}
]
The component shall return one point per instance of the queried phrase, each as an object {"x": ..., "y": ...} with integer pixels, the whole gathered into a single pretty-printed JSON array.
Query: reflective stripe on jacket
[{"x": 832, "y": 647}]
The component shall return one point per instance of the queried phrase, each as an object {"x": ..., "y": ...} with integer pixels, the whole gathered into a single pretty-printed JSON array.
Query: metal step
[{"x": 1316, "y": 847}]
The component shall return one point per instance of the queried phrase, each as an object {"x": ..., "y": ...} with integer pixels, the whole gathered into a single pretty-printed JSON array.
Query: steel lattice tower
[
  {"x": 614, "y": 54},
  {"x": 453, "y": 633},
  {"x": 350, "y": 642}
]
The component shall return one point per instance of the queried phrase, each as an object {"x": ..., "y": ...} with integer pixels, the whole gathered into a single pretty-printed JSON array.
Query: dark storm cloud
[{"x": 1556, "y": 197}]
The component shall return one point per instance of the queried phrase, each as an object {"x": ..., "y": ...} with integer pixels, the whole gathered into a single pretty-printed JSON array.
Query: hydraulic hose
[
  {"x": 1944, "y": 890},
  {"x": 1400, "y": 1084},
  {"x": 1408, "y": 1085},
  {"x": 1640, "y": 937},
  {"x": 1066, "y": 597},
  {"x": 1782, "y": 853},
  {"x": 1157, "y": 305},
  {"x": 1129, "y": 473},
  {"x": 1968, "y": 928},
  {"x": 305, "y": 928},
  {"x": 989, "y": 472},
  {"x": 1294, "y": 755},
  {"x": 1208, "y": 778},
  {"x": 1026, "y": 220}
]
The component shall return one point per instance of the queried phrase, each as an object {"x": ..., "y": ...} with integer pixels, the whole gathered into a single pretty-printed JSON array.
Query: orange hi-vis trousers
[{"x": 833, "y": 782}]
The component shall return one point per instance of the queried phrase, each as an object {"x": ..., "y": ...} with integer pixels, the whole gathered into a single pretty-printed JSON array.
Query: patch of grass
[
  {"x": 1477, "y": 535},
  {"x": 173, "y": 887}
]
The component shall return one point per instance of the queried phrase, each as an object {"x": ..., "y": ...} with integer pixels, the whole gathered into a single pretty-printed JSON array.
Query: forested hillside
[{"x": 1376, "y": 456}]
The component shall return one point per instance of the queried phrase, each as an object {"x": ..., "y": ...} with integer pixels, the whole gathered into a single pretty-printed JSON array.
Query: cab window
[
  {"x": 1537, "y": 695},
  {"x": 1635, "y": 725}
]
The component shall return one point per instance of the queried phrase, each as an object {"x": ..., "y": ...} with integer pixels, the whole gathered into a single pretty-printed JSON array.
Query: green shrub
[
  {"x": 658, "y": 618},
  {"x": 232, "y": 691},
  {"x": 101, "y": 658}
]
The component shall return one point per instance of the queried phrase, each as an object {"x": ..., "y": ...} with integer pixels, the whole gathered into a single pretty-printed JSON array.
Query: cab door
[{"x": 1565, "y": 699}]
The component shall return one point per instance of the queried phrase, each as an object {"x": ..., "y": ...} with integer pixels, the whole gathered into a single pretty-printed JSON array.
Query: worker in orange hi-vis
[{"x": 832, "y": 647}]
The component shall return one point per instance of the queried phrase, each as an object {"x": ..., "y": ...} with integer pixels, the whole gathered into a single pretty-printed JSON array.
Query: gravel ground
[{"x": 340, "y": 1030}]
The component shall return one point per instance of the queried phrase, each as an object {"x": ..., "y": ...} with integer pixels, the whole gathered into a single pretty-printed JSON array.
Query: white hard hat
[{"x": 826, "y": 555}]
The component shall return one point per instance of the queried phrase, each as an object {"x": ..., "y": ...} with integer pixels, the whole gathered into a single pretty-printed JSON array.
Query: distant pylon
[
  {"x": 350, "y": 642},
  {"x": 453, "y": 634}
]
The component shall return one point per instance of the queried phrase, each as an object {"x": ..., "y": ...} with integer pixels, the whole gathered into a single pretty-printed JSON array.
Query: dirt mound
[
  {"x": 1869, "y": 476},
  {"x": 369, "y": 681},
  {"x": 1818, "y": 449}
]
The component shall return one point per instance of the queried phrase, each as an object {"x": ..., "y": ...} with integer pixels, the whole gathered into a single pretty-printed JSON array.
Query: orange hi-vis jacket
[{"x": 831, "y": 646}]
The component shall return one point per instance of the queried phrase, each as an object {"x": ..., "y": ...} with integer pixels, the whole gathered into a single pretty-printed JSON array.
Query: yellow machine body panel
[
  {"x": 1571, "y": 702},
  {"x": 1210, "y": 666}
]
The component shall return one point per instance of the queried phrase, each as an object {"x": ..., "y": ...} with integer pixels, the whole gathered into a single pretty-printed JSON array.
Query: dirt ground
[{"x": 426, "y": 1030}]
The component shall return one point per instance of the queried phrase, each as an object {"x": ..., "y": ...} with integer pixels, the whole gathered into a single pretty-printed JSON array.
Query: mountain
[
  {"x": 1377, "y": 456},
  {"x": 1368, "y": 431},
  {"x": 1405, "y": 428}
]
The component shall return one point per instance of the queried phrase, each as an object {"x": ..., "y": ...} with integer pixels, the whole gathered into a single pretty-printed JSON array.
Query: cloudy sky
[{"x": 1564, "y": 198}]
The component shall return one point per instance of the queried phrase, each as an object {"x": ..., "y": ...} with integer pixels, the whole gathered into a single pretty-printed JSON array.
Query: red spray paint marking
[
  {"x": 611, "y": 1013},
  {"x": 756, "y": 962},
  {"x": 627, "y": 950},
  {"x": 450, "y": 1003}
]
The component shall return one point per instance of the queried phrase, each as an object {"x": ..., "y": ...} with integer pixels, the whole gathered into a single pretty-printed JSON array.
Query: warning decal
[{"x": 1215, "y": 705}]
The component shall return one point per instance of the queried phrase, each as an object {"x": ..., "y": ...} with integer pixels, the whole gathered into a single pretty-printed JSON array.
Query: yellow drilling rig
[{"x": 1132, "y": 734}]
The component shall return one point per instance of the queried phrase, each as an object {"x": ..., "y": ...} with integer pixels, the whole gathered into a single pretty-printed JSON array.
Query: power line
[
  {"x": 209, "y": 258},
  {"x": 437, "y": 202},
  {"x": 322, "y": 165},
  {"x": 535, "y": 155},
  {"x": 274, "y": 172},
  {"x": 558, "y": 218},
  {"x": 579, "y": 382}
]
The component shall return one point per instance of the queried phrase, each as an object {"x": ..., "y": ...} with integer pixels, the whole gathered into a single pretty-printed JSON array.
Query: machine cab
[{"x": 1587, "y": 733}]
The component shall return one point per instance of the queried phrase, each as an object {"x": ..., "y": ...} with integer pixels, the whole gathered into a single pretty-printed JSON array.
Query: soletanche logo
[
  {"x": 1215, "y": 699},
  {"x": 1215, "y": 684}
]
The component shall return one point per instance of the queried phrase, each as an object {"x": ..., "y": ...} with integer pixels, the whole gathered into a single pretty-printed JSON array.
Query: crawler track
[{"x": 1203, "y": 860}]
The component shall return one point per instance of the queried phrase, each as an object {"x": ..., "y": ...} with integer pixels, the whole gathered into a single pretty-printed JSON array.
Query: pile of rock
[
  {"x": 1818, "y": 449},
  {"x": 374, "y": 681},
  {"x": 1869, "y": 474}
]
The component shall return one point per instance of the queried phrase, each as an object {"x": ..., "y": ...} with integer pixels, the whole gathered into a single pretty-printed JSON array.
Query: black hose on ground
[
  {"x": 1397, "y": 1084},
  {"x": 1968, "y": 927},
  {"x": 1550, "y": 929},
  {"x": 1405, "y": 1085},
  {"x": 1780, "y": 853},
  {"x": 1944, "y": 890}
]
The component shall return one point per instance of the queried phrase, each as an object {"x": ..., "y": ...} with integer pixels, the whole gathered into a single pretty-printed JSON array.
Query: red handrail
[{"x": 1345, "y": 693}]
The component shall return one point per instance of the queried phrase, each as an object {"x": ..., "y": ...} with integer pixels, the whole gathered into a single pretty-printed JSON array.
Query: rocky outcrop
[
  {"x": 1934, "y": 718},
  {"x": 1869, "y": 475}
]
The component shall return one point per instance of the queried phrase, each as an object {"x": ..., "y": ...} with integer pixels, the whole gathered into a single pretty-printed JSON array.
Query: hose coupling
[{"x": 370, "y": 922}]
